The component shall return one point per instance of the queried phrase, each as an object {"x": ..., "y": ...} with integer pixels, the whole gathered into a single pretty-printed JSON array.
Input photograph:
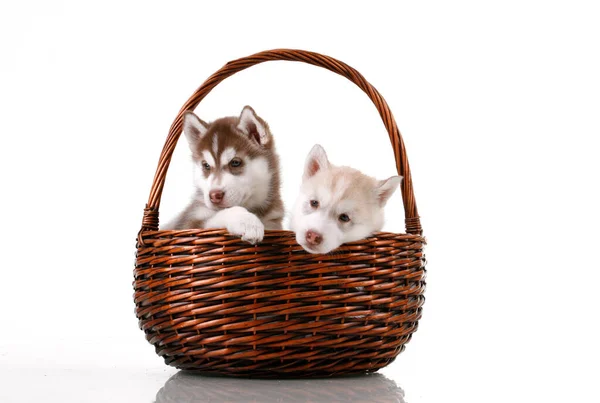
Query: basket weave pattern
[{"x": 209, "y": 302}]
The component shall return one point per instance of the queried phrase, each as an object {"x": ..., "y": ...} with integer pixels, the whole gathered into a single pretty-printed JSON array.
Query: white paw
[{"x": 249, "y": 227}]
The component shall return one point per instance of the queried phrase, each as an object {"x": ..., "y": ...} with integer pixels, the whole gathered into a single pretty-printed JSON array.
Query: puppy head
[
  {"x": 337, "y": 204},
  {"x": 234, "y": 159}
]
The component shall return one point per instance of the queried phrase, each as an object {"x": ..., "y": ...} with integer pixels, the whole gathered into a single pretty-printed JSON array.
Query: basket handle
[{"x": 413, "y": 225}]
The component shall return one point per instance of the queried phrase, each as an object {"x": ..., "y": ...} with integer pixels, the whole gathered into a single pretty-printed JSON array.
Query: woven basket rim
[{"x": 268, "y": 233}]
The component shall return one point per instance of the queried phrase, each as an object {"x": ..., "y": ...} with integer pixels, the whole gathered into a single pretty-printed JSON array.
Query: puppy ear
[
  {"x": 253, "y": 126},
  {"x": 386, "y": 188},
  {"x": 315, "y": 161},
  {"x": 194, "y": 128}
]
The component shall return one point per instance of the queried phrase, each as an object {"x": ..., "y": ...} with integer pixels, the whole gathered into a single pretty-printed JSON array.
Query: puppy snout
[
  {"x": 313, "y": 238},
  {"x": 216, "y": 196}
]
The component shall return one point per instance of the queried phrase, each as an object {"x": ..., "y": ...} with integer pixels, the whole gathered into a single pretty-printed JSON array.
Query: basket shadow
[{"x": 188, "y": 387}]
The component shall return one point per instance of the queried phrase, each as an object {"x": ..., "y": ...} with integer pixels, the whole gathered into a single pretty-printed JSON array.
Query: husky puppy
[
  {"x": 337, "y": 204},
  {"x": 236, "y": 175}
]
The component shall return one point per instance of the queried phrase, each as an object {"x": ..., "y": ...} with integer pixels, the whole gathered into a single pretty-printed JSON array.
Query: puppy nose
[
  {"x": 313, "y": 237},
  {"x": 216, "y": 196}
]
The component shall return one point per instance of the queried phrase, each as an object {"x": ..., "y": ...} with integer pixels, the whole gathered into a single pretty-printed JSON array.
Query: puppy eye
[
  {"x": 344, "y": 218},
  {"x": 236, "y": 162},
  {"x": 205, "y": 166},
  {"x": 314, "y": 203}
]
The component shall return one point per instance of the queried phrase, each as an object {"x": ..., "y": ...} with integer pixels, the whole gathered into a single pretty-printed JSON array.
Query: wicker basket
[{"x": 211, "y": 303}]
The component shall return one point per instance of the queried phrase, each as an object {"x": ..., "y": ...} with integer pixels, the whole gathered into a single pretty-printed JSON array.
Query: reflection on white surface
[{"x": 187, "y": 387}]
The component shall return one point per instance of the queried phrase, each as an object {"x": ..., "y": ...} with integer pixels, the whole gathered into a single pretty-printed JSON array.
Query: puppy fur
[
  {"x": 337, "y": 204},
  {"x": 236, "y": 176}
]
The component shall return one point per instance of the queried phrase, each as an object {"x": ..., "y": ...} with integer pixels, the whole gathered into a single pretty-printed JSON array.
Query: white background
[{"x": 499, "y": 107}]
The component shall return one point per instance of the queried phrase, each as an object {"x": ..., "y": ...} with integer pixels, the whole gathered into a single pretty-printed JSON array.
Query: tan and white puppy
[
  {"x": 236, "y": 175},
  {"x": 337, "y": 204}
]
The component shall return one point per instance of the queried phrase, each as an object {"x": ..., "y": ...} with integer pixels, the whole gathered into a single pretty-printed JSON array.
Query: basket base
[
  {"x": 282, "y": 369},
  {"x": 277, "y": 370}
]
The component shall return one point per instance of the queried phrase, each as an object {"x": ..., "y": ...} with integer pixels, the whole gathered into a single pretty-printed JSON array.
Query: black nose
[{"x": 216, "y": 196}]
